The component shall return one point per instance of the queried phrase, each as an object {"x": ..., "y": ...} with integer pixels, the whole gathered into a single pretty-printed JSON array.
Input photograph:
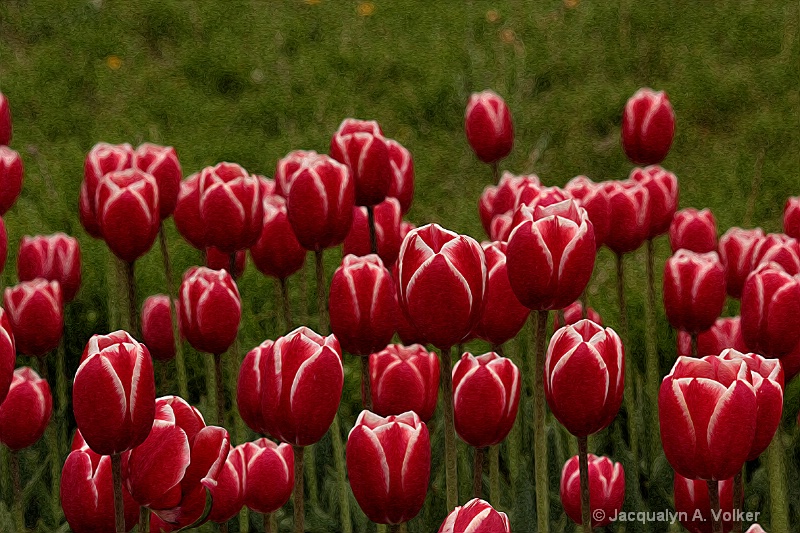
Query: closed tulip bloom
[
  {"x": 162, "y": 163},
  {"x": 707, "y": 411},
  {"x": 592, "y": 197},
  {"x": 736, "y": 250},
  {"x": 230, "y": 207},
  {"x": 277, "y": 252},
  {"x": 388, "y": 218},
  {"x": 10, "y": 178},
  {"x": 248, "y": 387},
  {"x": 573, "y": 313},
  {"x": 36, "y": 314},
  {"x": 584, "y": 376},
  {"x": 320, "y": 202},
  {"x": 791, "y": 217},
  {"x": 157, "y": 327},
  {"x": 503, "y": 316},
  {"x": 361, "y": 146},
  {"x": 778, "y": 248},
  {"x": 486, "y": 392},
  {"x": 487, "y": 123},
  {"x": 216, "y": 259},
  {"x": 693, "y": 230},
  {"x": 404, "y": 378},
  {"x": 725, "y": 333},
  {"x": 551, "y": 255},
  {"x": 102, "y": 159},
  {"x": 606, "y": 489},
  {"x": 210, "y": 309},
  {"x": 648, "y": 126},
  {"x": 770, "y": 307},
  {"x": 694, "y": 290},
  {"x": 301, "y": 386},
  {"x": 269, "y": 474},
  {"x": 8, "y": 354},
  {"x": 127, "y": 212},
  {"x": 662, "y": 193},
  {"x": 500, "y": 199},
  {"x": 228, "y": 493},
  {"x": 54, "y": 257},
  {"x": 5, "y": 121},
  {"x": 402, "y": 185},
  {"x": 287, "y": 167},
  {"x": 25, "y": 412},
  {"x": 476, "y": 516},
  {"x": 113, "y": 395},
  {"x": 694, "y": 507},
  {"x": 389, "y": 465},
  {"x": 629, "y": 225},
  {"x": 442, "y": 282},
  {"x": 187, "y": 215},
  {"x": 363, "y": 304},
  {"x": 486, "y": 206},
  {"x": 86, "y": 213}
]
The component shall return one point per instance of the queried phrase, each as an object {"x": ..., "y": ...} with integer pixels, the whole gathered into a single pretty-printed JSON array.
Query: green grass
[{"x": 249, "y": 81}]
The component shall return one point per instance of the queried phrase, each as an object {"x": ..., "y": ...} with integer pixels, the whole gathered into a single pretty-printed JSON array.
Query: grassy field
[{"x": 249, "y": 81}]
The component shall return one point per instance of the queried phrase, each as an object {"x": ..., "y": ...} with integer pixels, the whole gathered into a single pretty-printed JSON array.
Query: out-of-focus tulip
[
  {"x": 10, "y": 178},
  {"x": 5, "y": 121},
  {"x": 693, "y": 230},
  {"x": 187, "y": 213},
  {"x": 476, "y": 516},
  {"x": 629, "y": 225},
  {"x": 550, "y": 255},
  {"x": 725, "y": 333},
  {"x": 770, "y": 307},
  {"x": 389, "y": 465},
  {"x": 584, "y": 376},
  {"x": 228, "y": 493},
  {"x": 86, "y": 213},
  {"x": 248, "y": 387},
  {"x": 402, "y": 185},
  {"x": 157, "y": 327},
  {"x": 277, "y": 252},
  {"x": 269, "y": 474},
  {"x": 442, "y": 283},
  {"x": 707, "y": 411},
  {"x": 486, "y": 392},
  {"x": 487, "y": 123},
  {"x": 54, "y": 257},
  {"x": 103, "y": 159},
  {"x": 501, "y": 199},
  {"x": 36, "y": 313},
  {"x": 503, "y": 316},
  {"x": 606, "y": 489},
  {"x": 404, "y": 378},
  {"x": 287, "y": 167},
  {"x": 361, "y": 146},
  {"x": 25, "y": 412},
  {"x": 694, "y": 290},
  {"x": 592, "y": 197},
  {"x": 114, "y": 393},
  {"x": 162, "y": 163},
  {"x": 301, "y": 386},
  {"x": 8, "y": 354},
  {"x": 363, "y": 304},
  {"x": 662, "y": 194},
  {"x": 791, "y": 217},
  {"x": 574, "y": 313},
  {"x": 648, "y": 126},
  {"x": 778, "y": 248},
  {"x": 692, "y": 503},
  {"x": 210, "y": 309},
  {"x": 216, "y": 259},
  {"x": 388, "y": 219},
  {"x": 736, "y": 250}
]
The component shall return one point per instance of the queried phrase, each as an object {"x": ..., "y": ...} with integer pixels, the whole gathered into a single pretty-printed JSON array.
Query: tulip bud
[
  {"x": 10, "y": 178},
  {"x": 228, "y": 493},
  {"x": 36, "y": 314},
  {"x": 629, "y": 208},
  {"x": 551, "y": 255},
  {"x": 287, "y": 167},
  {"x": 592, "y": 197},
  {"x": 361, "y": 147},
  {"x": 402, "y": 185},
  {"x": 662, "y": 194},
  {"x": 25, "y": 412},
  {"x": 269, "y": 474},
  {"x": 102, "y": 159},
  {"x": 584, "y": 376},
  {"x": 216, "y": 259},
  {"x": 162, "y": 163},
  {"x": 442, "y": 283},
  {"x": 487, "y": 123},
  {"x": 694, "y": 508},
  {"x": 320, "y": 202},
  {"x": 486, "y": 392},
  {"x": 770, "y": 306},
  {"x": 113, "y": 395},
  {"x": 648, "y": 126},
  {"x": 694, "y": 290},
  {"x": 363, "y": 304},
  {"x": 248, "y": 387},
  {"x": 301, "y": 386},
  {"x": 476, "y": 516},
  {"x": 606, "y": 489},
  {"x": 53, "y": 257},
  {"x": 693, "y": 230},
  {"x": 5, "y": 121},
  {"x": 791, "y": 217},
  {"x": 404, "y": 378},
  {"x": 725, "y": 333},
  {"x": 8, "y": 354},
  {"x": 778, "y": 248},
  {"x": 388, "y": 219},
  {"x": 187, "y": 213},
  {"x": 389, "y": 465},
  {"x": 736, "y": 250},
  {"x": 573, "y": 313},
  {"x": 127, "y": 212},
  {"x": 210, "y": 309},
  {"x": 707, "y": 411},
  {"x": 157, "y": 327}
]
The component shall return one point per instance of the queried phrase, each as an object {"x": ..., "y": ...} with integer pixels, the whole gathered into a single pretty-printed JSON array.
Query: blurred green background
[{"x": 249, "y": 81}]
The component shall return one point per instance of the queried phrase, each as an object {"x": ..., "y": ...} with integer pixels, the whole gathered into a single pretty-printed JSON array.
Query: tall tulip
[
  {"x": 693, "y": 230},
  {"x": 476, "y": 516},
  {"x": 402, "y": 185},
  {"x": 11, "y": 171},
  {"x": 54, "y": 257},
  {"x": 36, "y": 314},
  {"x": 361, "y": 146},
  {"x": 648, "y": 126},
  {"x": 488, "y": 126},
  {"x": 694, "y": 290},
  {"x": 5, "y": 121},
  {"x": 606, "y": 486},
  {"x": 404, "y": 378},
  {"x": 735, "y": 250},
  {"x": 770, "y": 304}
]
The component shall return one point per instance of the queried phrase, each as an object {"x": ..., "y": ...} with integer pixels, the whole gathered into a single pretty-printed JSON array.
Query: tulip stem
[
  {"x": 286, "y": 305},
  {"x": 451, "y": 469},
  {"x": 299, "y": 514},
  {"x": 539, "y": 427},
  {"x": 373, "y": 238},
  {"x": 494, "y": 475},
  {"x": 496, "y": 171},
  {"x": 738, "y": 493},
  {"x": 144, "y": 520},
  {"x": 713, "y": 499},
  {"x": 477, "y": 472},
  {"x": 19, "y": 513},
  {"x": 220, "y": 390},
  {"x": 119, "y": 503},
  {"x": 322, "y": 293},
  {"x": 133, "y": 308},
  {"x": 777, "y": 483},
  {"x": 341, "y": 475},
  {"x": 630, "y": 393},
  {"x": 583, "y": 462},
  {"x": 694, "y": 344},
  {"x": 584, "y": 305},
  {"x": 180, "y": 367},
  {"x": 366, "y": 383},
  {"x": 61, "y": 393},
  {"x": 651, "y": 362},
  {"x": 270, "y": 523},
  {"x": 395, "y": 528}
]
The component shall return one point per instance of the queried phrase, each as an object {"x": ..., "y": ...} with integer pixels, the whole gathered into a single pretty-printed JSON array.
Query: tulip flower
[
  {"x": 269, "y": 475},
  {"x": 662, "y": 194},
  {"x": 592, "y": 197},
  {"x": 25, "y": 412},
  {"x": 248, "y": 387},
  {"x": 5, "y": 121},
  {"x": 488, "y": 126},
  {"x": 770, "y": 305},
  {"x": 188, "y": 218},
  {"x": 694, "y": 508},
  {"x": 227, "y": 495},
  {"x": 694, "y": 290},
  {"x": 11, "y": 171},
  {"x": 693, "y": 230},
  {"x": 573, "y": 313},
  {"x": 501, "y": 199},
  {"x": 778, "y": 248},
  {"x": 210, "y": 309},
  {"x": 389, "y": 465},
  {"x": 405, "y": 329},
  {"x": 791, "y": 217},
  {"x": 54, "y": 257},
  {"x": 476, "y": 516},
  {"x": 607, "y": 489},
  {"x": 402, "y": 185},
  {"x": 404, "y": 378},
  {"x": 8, "y": 354},
  {"x": 735, "y": 250},
  {"x": 277, "y": 252},
  {"x": 102, "y": 159},
  {"x": 629, "y": 225},
  {"x": 162, "y": 163},
  {"x": 288, "y": 167},
  {"x": 36, "y": 314},
  {"x": 216, "y": 259},
  {"x": 361, "y": 146},
  {"x": 157, "y": 327},
  {"x": 648, "y": 126},
  {"x": 388, "y": 219},
  {"x": 725, "y": 333}
]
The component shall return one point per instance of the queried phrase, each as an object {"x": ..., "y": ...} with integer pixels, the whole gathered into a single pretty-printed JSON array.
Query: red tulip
[
  {"x": 476, "y": 516},
  {"x": 503, "y": 316},
  {"x": 592, "y": 197},
  {"x": 127, "y": 212},
  {"x": 606, "y": 489},
  {"x": 736, "y": 250},
  {"x": 402, "y": 185},
  {"x": 662, "y": 193},
  {"x": 486, "y": 392},
  {"x": 25, "y": 412},
  {"x": 269, "y": 474},
  {"x": 694, "y": 508},
  {"x": 301, "y": 386},
  {"x": 3, "y": 245},
  {"x": 770, "y": 306},
  {"x": 113, "y": 395},
  {"x": 778, "y": 248},
  {"x": 10, "y": 178},
  {"x": 389, "y": 465},
  {"x": 551, "y": 255},
  {"x": 187, "y": 215},
  {"x": 363, "y": 305},
  {"x": 487, "y": 123},
  {"x": 216, "y": 259},
  {"x": 320, "y": 202},
  {"x": 288, "y": 167},
  {"x": 693, "y": 230},
  {"x": 162, "y": 163},
  {"x": 230, "y": 207},
  {"x": 388, "y": 219},
  {"x": 442, "y": 283},
  {"x": 501, "y": 199},
  {"x": 791, "y": 364},
  {"x": 53, "y": 257},
  {"x": 755, "y": 528},
  {"x": 5, "y": 121},
  {"x": 404, "y": 378},
  {"x": 277, "y": 252},
  {"x": 584, "y": 376},
  {"x": 707, "y": 411},
  {"x": 573, "y": 313},
  {"x": 725, "y": 333},
  {"x": 361, "y": 147},
  {"x": 157, "y": 327},
  {"x": 228, "y": 494},
  {"x": 102, "y": 159},
  {"x": 648, "y": 126},
  {"x": 629, "y": 224},
  {"x": 36, "y": 314},
  {"x": 694, "y": 290},
  {"x": 406, "y": 330},
  {"x": 210, "y": 309},
  {"x": 791, "y": 217},
  {"x": 8, "y": 354},
  {"x": 248, "y": 387}
]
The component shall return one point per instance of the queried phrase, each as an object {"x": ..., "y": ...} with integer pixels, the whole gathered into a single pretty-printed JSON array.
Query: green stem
[
  {"x": 373, "y": 238},
  {"x": 286, "y": 305},
  {"x": 777, "y": 483},
  {"x": 477, "y": 472},
  {"x": 451, "y": 469},
  {"x": 119, "y": 503},
  {"x": 62, "y": 394},
  {"x": 341, "y": 476},
  {"x": 220, "y": 389},
  {"x": 496, "y": 172},
  {"x": 180, "y": 366},
  {"x": 133, "y": 307},
  {"x": 713, "y": 499},
  {"x": 366, "y": 383},
  {"x": 583, "y": 461},
  {"x": 651, "y": 361},
  {"x": 211, "y": 388},
  {"x": 540, "y": 428},
  {"x": 630, "y": 369},
  {"x": 694, "y": 344},
  {"x": 19, "y": 511},
  {"x": 244, "y": 520},
  {"x": 114, "y": 291},
  {"x": 738, "y": 492},
  {"x": 494, "y": 475},
  {"x": 322, "y": 293},
  {"x": 144, "y": 520},
  {"x": 299, "y": 513},
  {"x": 270, "y": 523}
]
